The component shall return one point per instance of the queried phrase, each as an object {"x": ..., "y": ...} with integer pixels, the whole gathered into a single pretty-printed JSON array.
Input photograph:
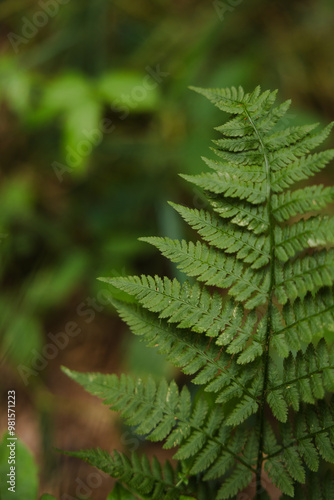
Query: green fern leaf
[
  {"x": 306, "y": 377},
  {"x": 305, "y": 320},
  {"x": 242, "y": 411},
  {"x": 189, "y": 307},
  {"x": 294, "y": 464},
  {"x": 250, "y": 248},
  {"x": 215, "y": 268},
  {"x": 305, "y": 234},
  {"x": 311, "y": 198},
  {"x": 235, "y": 483},
  {"x": 229, "y": 185},
  {"x": 194, "y": 357},
  {"x": 287, "y": 137},
  {"x": 137, "y": 474},
  {"x": 161, "y": 412},
  {"x": 300, "y": 169},
  {"x": 279, "y": 476},
  {"x": 278, "y": 405},
  {"x": 252, "y": 328},
  {"x": 243, "y": 214},
  {"x": 307, "y": 274}
]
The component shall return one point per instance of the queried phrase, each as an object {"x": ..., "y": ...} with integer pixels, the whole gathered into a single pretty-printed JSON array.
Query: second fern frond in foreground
[{"x": 253, "y": 329}]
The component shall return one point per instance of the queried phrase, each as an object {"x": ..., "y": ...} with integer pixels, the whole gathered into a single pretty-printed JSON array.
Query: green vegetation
[
  {"x": 252, "y": 330},
  {"x": 96, "y": 123}
]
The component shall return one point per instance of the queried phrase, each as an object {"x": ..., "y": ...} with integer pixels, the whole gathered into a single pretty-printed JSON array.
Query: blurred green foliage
[{"x": 97, "y": 121}]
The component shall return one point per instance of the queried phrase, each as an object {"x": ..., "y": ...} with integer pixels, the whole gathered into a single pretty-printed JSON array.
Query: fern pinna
[{"x": 253, "y": 328}]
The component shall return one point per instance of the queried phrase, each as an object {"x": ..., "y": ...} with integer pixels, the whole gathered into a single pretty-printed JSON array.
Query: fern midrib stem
[{"x": 269, "y": 310}]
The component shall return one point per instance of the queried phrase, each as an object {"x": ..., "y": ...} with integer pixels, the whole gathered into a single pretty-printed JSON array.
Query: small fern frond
[
  {"x": 161, "y": 412},
  {"x": 288, "y": 136},
  {"x": 193, "y": 355},
  {"x": 250, "y": 248},
  {"x": 291, "y": 203},
  {"x": 254, "y": 217},
  {"x": 238, "y": 126},
  {"x": 229, "y": 185},
  {"x": 300, "y": 169},
  {"x": 283, "y": 156},
  {"x": 304, "y": 320},
  {"x": 305, "y": 377},
  {"x": 307, "y": 274},
  {"x": 141, "y": 477},
  {"x": 215, "y": 268},
  {"x": 187, "y": 306},
  {"x": 311, "y": 233},
  {"x": 311, "y": 440}
]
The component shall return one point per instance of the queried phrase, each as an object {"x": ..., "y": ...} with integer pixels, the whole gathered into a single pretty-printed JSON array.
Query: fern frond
[
  {"x": 239, "y": 127},
  {"x": 215, "y": 268},
  {"x": 248, "y": 164},
  {"x": 143, "y": 478},
  {"x": 226, "y": 99},
  {"x": 247, "y": 173},
  {"x": 300, "y": 169},
  {"x": 243, "y": 214},
  {"x": 305, "y": 377},
  {"x": 232, "y": 100},
  {"x": 307, "y": 274},
  {"x": 291, "y": 203},
  {"x": 236, "y": 482},
  {"x": 260, "y": 342},
  {"x": 280, "y": 158},
  {"x": 161, "y": 412},
  {"x": 217, "y": 374},
  {"x": 229, "y": 185},
  {"x": 312, "y": 436},
  {"x": 304, "y": 320},
  {"x": 250, "y": 248},
  {"x": 305, "y": 234},
  {"x": 288, "y": 137},
  {"x": 188, "y": 306},
  {"x": 234, "y": 145}
]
